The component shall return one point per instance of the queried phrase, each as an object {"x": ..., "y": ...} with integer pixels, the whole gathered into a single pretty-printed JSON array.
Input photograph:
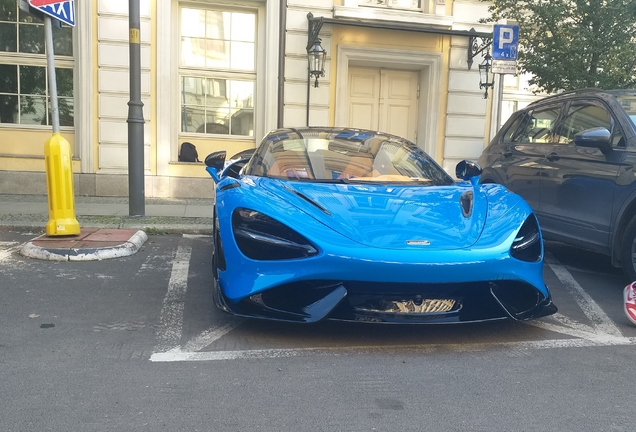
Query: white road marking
[
  {"x": 175, "y": 356},
  {"x": 196, "y": 236},
  {"x": 211, "y": 335},
  {"x": 11, "y": 247},
  {"x": 602, "y": 332},
  {"x": 171, "y": 317},
  {"x": 590, "y": 308}
]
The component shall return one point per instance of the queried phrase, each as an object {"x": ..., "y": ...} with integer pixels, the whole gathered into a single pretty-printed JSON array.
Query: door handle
[
  {"x": 507, "y": 153},
  {"x": 553, "y": 157}
]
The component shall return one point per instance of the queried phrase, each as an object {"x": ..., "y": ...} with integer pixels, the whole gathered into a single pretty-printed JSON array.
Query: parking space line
[
  {"x": 590, "y": 308},
  {"x": 213, "y": 334},
  {"x": 175, "y": 356},
  {"x": 171, "y": 316},
  {"x": 578, "y": 333},
  {"x": 6, "y": 253}
]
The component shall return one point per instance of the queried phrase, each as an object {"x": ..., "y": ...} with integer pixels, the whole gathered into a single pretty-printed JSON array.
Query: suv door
[
  {"x": 578, "y": 188},
  {"x": 524, "y": 147}
]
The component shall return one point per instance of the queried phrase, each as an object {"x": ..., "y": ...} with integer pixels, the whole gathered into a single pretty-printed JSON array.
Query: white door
[{"x": 384, "y": 100}]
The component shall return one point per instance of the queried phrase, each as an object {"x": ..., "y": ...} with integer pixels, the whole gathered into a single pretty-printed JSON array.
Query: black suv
[{"x": 572, "y": 157}]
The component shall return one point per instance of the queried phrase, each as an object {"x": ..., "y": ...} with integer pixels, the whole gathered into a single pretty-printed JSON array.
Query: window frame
[
  {"x": 24, "y": 59},
  {"x": 204, "y": 72}
]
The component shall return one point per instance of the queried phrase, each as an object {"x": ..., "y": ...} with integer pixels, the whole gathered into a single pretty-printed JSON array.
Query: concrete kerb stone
[
  {"x": 128, "y": 248},
  {"x": 30, "y": 250},
  {"x": 151, "y": 228}
]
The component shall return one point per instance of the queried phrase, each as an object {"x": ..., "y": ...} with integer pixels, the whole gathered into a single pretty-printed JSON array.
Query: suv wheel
[{"x": 628, "y": 251}]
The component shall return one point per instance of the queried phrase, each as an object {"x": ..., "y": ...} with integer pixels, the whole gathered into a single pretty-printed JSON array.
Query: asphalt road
[{"x": 135, "y": 344}]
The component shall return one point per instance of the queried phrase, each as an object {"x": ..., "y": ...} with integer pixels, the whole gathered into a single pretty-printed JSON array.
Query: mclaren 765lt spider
[{"x": 357, "y": 225}]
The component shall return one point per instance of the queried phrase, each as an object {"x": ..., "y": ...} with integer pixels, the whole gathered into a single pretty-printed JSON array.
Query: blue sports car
[{"x": 357, "y": 225}]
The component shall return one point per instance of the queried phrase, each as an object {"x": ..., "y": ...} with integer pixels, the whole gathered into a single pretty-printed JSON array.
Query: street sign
[
  {"x": 38, "y": 3},
  {"x": 504, "y": 67},
  {"x": 505, "y": 42},
  {"x": 63, "y": 11}
]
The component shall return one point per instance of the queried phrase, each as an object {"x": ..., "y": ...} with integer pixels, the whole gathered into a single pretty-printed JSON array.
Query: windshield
[{"x": 345, "y": 156}]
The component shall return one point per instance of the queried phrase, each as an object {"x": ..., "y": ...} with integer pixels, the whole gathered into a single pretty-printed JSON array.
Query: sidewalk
[
  {"x": 107, "y": 229},
  {"x": 163, "y": 215}
]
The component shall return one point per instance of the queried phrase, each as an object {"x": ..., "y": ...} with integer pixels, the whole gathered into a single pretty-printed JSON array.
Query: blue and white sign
[
  {"x": 63, "y": 11},
  {"x": 505, "y": 42}
]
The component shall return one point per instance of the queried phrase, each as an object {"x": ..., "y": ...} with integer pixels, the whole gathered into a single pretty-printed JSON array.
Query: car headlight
[
  {"x": 260, "y": 237},
  {"x": 527, "y": 243}
]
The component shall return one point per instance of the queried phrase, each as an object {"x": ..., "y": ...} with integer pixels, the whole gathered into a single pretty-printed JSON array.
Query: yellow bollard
[{"x": 59, "y": 182}]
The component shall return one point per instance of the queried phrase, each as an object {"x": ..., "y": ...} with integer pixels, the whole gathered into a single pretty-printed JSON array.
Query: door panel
[
  {"x": 363, "y": 115},
  {"x": 364, "y": 98},
  {"x": 579, "y": 183},
  {"x": 525, "y": 147},
  {"x": 384, "y": 100},
  {"x": 398, "y": 103}
]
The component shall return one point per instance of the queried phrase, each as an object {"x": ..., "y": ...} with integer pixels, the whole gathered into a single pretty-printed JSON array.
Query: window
[
  {"x": 534, "y": 126},
  {"x": 24, "y": 89},
  {"x": 582, "y": 116},
  {"x": 217, "y": 71},
  {"x": 628, "y": 102},
  {"x": 508, "y": 108}
]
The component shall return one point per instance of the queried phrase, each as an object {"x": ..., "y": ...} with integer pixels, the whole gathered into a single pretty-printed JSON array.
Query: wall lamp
[
  {"x": 315, "y": 52},
  {"x": 316, "y": 55},
  {"x": 485, "y": 81}
]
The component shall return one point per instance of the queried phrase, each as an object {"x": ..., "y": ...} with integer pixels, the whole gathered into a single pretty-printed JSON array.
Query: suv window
[
  {"x": 534, "y": 126},
  {"x": 628, "y": 102},
  {"x": 582, "y": 116}
]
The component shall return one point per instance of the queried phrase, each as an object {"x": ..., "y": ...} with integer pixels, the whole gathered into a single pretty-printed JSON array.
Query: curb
[
  {"x": 128, "y": 248},
  {"x": 158, "y": 228}
]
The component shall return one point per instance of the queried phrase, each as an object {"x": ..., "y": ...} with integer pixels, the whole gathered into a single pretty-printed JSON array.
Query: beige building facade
[{"x": 221, "y": 74}]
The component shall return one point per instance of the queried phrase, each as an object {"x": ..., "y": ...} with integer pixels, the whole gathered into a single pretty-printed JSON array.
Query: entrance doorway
[{"x": 385, "y": 100}]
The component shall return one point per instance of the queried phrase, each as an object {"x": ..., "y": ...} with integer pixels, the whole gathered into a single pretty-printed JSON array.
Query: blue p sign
[{"x": 505, "y": 42}]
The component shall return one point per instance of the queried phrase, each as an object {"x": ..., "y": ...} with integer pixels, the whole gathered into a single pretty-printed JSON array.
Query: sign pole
[
  {"x": 136, "y": 192},
  {"x": 50, "y": 63},
  {"x": 500, "y": 88}
]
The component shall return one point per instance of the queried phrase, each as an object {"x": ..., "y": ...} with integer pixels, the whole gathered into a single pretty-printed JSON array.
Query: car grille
[{"x": 410, "y": 306}]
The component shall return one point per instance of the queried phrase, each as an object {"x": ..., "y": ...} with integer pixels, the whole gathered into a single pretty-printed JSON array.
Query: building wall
[
  {"x": 462, "y": 116},
  {"x": 113, "y": 84},
  {"x": 455, "y": 123}
]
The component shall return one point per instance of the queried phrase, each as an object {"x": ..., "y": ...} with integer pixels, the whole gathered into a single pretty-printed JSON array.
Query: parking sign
[{"x": 505, "y": 42}]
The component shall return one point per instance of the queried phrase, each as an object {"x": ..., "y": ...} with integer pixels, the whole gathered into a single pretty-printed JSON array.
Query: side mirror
[
  {"x": 594, "y": 138},
  {"x": 467, "y": 170},
  {"x": 216, "y": 160},
  {"x": 214, "y": 163}
]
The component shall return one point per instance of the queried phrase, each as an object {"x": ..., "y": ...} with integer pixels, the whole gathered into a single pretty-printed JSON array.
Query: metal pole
[
  {"x": 136, "y": 192},
  {"x": 308, "y": 90},
  {"x": 500, "y": 86},
  {"x": 50, "y": 63},
  {"x": 282, "y": 20}
]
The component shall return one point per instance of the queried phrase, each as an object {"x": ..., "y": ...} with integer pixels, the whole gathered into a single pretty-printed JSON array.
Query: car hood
[{"x": 392, "y": 216}]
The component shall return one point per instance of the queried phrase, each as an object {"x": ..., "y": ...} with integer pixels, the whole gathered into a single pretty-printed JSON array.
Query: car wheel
[{"x": 628, "y": 251}]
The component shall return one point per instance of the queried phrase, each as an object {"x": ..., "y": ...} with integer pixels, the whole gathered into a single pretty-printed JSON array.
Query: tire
[{"x": 628, "y": 251}]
